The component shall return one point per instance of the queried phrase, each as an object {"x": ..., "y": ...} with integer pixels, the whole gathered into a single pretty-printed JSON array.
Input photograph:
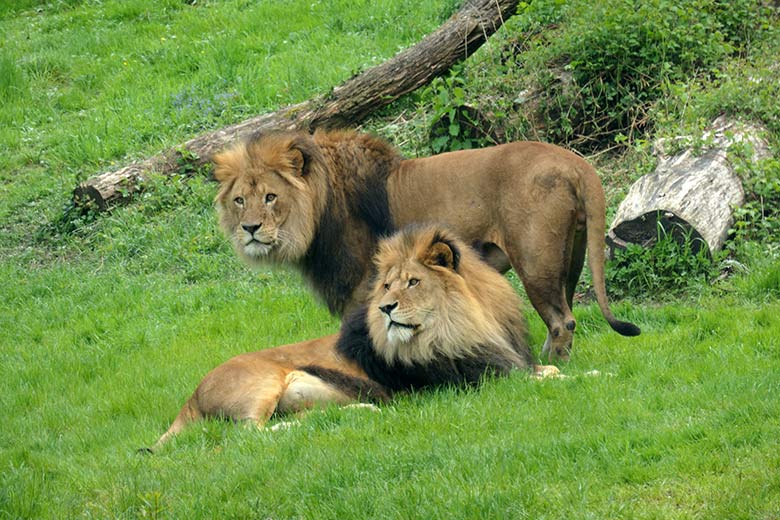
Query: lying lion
[
  {"x": 436, "y": 315},
  {"x": 322, "y": 202}
]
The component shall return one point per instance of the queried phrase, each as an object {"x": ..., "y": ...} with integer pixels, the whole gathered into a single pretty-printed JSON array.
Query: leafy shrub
[
  {"x": 759, "y": 218},
  {"x": 741, "y": 20},
  {"x": 543, "y": 13},
  {"x": 622, "y": 55},
  {"x": 454, "y": 124},
  {"x": 672, "y": 265}
]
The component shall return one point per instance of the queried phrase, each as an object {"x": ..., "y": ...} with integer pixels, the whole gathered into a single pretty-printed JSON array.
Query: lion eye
[
  {"x": 413, "y": 282},
  {"x": 387, "y": 287},
  {"x": 270, "y": 197},
  {"x": 239, "y": 201}
]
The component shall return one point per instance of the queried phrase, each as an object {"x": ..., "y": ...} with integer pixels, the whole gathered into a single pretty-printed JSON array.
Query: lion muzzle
[
  {"x": 255, "y": 240},
  {"x": 388, "y": 308}
]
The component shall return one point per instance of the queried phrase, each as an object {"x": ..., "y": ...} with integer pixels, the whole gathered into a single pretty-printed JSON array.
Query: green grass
[
  {"x": 108, "y": 322},
  {"x": 86, "y": 86},
  {"x": 683, "y": 421}
]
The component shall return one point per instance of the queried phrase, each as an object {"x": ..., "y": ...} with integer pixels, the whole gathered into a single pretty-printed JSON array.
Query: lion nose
[
  {"x": 251, "y": 228},
  {"x": 387, "y": 309}
]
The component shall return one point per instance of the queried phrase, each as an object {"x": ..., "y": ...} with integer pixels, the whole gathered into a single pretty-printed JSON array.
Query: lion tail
[
  {"x": 595, "y": 229},
  {"x": 189, "y": 413}
]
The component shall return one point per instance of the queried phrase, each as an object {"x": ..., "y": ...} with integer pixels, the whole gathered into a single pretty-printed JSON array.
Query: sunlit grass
[
  {"x": 107, "y": 323},
  {"x": 96, "y": 370}
]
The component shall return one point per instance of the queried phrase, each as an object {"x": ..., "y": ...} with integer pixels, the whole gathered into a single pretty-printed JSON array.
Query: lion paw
[{"x": 367, "y": 406}]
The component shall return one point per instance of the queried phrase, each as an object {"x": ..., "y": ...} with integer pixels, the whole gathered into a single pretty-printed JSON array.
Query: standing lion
[{"x": 321, "y": 202}]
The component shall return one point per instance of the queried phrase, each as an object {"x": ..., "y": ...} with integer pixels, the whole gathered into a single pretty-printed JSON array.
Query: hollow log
[
  {"x": 690, "y": 193},
  {"x": 346, "y": 105}
]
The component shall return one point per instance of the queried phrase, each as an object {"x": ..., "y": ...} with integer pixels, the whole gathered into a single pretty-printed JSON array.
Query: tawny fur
[
  {"x": 254, "y": 386},
  {"x": 454, "y": 301},
  {"x": 468, "y": 324},
  {"x": 531, "y": 206}
]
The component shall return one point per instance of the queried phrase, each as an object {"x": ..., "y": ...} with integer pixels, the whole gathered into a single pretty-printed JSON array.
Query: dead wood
[{"x": 691, "y": 193}]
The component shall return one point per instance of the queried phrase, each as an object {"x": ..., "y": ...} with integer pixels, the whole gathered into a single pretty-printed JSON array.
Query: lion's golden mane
[{"x": 437, "y": 314}]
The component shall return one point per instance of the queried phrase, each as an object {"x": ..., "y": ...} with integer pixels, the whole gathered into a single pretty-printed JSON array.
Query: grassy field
[{"x": 108, "y": 322}]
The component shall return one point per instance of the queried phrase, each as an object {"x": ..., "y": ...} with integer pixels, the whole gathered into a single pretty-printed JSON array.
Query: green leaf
[{"x": 440, "y": 143}]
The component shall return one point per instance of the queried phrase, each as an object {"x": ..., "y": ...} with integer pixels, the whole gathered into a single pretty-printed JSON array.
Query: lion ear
[
  {"x": 297, "y": 161},
  {"x": 443, "y": 253},
  {"x": 228, "y": 164},
  {"x": 304, "y": 153}
]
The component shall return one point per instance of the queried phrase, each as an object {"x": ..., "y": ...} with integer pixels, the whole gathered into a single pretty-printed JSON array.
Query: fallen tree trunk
[
  {"x": 346, "y": 105},
  {"x": 695, "y": 207},
  {"x": 690, "y": 193}
]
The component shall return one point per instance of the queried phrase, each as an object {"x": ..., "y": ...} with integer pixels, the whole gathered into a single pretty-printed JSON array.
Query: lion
[
  {"x": 321, "y": 203},
  {"x": 436, "y": 315}
]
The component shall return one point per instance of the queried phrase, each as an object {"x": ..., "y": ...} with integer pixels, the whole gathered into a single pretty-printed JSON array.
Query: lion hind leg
[
  {"x": 268, "y": 393},
  {"x": 577, "y": 255},
  {"x": 545, "y": 275},
  {"x": 304, "y": 391},
  {"x": 560, "y": 333},
  {"x": 544, "y": 285}
]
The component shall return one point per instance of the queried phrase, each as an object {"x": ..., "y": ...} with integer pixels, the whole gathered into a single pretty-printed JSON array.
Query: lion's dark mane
[
  {"x": 355, "y": 343},
  {"x": 355, "y": 216}
]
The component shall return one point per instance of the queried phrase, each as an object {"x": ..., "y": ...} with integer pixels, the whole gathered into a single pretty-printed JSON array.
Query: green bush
[
  {"x": 454, "y": 124},
  {"x": 618, "y": 58},
  {"x": 673, "y": 265},
  {"x": 759, "y": 218}
]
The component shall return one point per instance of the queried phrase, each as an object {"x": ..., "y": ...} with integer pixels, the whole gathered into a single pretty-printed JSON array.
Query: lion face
[
  {"x": 257, "y": 206},
  {"x": 419, "y": 301},
  {"x": 433, "y": 298},
  {"x": 266, "y": 204},
  {"x": 407, "y": 305}
]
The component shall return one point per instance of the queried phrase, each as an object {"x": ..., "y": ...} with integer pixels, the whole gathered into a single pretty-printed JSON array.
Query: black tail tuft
[{"x": 625, "y": 328}]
